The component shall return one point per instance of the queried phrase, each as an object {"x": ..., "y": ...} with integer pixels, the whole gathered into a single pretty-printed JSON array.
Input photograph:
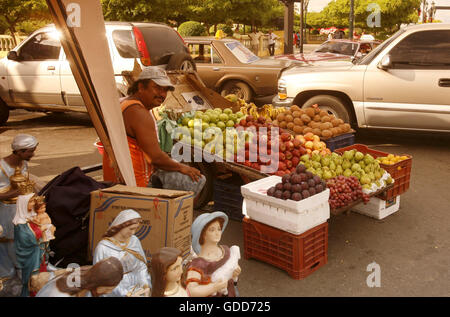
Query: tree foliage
[
  {"x": 393, "y": 13},
  {"x": 15, "y": 12}
]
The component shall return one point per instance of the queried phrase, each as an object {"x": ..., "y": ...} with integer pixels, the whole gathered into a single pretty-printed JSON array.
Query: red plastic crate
[
  {"x": 299, "y": 255},
  {"x": 400, "y": 171}
]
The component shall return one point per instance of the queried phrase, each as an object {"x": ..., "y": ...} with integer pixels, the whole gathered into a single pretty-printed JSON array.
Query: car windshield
[
  {"x": 369, "y": 57},
  {"x": 344, "y": 48},
  {"x": 243, "y": 54}
]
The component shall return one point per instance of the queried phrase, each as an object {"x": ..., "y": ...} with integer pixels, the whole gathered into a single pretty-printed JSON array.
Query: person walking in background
[
  {"x": 254, "y": 41},
  {"x": 299, "y": 39},
  {"x": 272, "y": 38}
]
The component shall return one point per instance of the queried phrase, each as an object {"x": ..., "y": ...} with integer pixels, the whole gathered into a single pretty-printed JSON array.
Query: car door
[
  {"x": 413, "y": 93},
  {"x": 210, "y": 65},
  {"x": 34, "y": 78}
]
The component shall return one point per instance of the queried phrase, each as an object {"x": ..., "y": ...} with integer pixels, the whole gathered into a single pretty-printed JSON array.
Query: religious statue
[
  {"x": 31, "y": 249},
  {"x": 42, "y": 219},
  {"x": 167, "y": 272},
  {"x": 97, "y": 280},
  {"x": 119, "y": 241},
  {"x": 215, "y": 270}
]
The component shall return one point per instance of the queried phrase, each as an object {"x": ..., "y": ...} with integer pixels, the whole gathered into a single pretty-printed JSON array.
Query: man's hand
[{"x": 192, "y": 172}]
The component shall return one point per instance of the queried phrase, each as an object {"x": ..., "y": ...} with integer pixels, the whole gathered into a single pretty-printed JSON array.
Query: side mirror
[
  {"x": 385, "y": 63},
  {"x": 12, "y": 55}
]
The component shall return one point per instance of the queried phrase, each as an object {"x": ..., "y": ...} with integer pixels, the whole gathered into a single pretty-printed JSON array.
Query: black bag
[{"x": 68, "y": 198}]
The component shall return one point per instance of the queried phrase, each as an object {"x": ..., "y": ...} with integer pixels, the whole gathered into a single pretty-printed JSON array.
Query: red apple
[
  {"x": 282, "y": 156},
  {"x": 296, "y": 152},
  {"x": 295, "y": 160},
  {"x": 243, "y": 122},
  {"x": 288, "y": 164},
  {"x": 288, "y": 155},
  {"x": 289, "y": 145}
]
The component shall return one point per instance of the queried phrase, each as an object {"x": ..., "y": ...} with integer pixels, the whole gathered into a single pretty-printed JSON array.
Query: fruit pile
[
  {"x": 391, "y": 159},
  {"x": 352, "y": 163},
  {"x": 289, "y": 150},
  {"x": 297, "y": 185},
  {"x": 203, "y": 130},
  {"x": 311, "y": 120},
  {"x": 344, "y": 191},
  {"x": 313, "y": 144},
  {"x": 267, "y": 111}
]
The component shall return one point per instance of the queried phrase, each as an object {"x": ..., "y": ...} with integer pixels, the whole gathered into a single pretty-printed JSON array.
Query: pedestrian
[
  {"x": 299, "y": 39},
  {"x": 254, "y": 41},
  {"x": 23, "y": 149},
  {"x": 272, "y": 38},
  {"x": 152, "y": 166},
  {"x": 99, "y": 279},
  {"x": 295, "y": 38}
]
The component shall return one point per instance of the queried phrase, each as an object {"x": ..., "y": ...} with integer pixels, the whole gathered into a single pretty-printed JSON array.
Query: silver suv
[
  {"x": 402, "y": 84},
  {"x": 37, "y": 76}
]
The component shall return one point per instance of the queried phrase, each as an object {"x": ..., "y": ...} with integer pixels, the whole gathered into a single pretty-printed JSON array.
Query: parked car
[
  {"x": 228, "y": 67},
  {"x": 403, "y": 84},
  {"x": 36, "y": 75},
  {"x": 336, "y": 49}
]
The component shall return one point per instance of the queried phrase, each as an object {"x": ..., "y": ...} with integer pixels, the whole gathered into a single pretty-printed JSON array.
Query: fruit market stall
[{"x": 319, "y": 172}]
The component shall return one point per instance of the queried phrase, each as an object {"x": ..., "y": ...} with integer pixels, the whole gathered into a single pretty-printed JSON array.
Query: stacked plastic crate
[{"x": 291, "y": 235}]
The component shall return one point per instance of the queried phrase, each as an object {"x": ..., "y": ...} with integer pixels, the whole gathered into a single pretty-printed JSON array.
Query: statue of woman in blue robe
[{"x": 119, "y": 241}]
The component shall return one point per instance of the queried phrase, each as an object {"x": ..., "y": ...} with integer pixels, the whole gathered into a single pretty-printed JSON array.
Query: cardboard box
[
  {"x": 378, "y": 208},
  {"x": 167, "y": 216}
]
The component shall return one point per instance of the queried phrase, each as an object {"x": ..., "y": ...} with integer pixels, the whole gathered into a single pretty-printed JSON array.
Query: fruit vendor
[{"x": 152, "y": 167}]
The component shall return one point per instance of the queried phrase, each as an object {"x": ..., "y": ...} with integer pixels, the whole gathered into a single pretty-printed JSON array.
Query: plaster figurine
[
  {"x": 42, "y": 219},
  {"x": 167, "y": 272},
  {"x": 99, "y": 279},
  {"x": 209, "y": 273},
  {"x": 119, "y": 241},
  {"x": 31, "y": 250}
]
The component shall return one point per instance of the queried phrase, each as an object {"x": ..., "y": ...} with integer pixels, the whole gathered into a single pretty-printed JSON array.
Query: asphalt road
[{"x": 411, "y": 247}]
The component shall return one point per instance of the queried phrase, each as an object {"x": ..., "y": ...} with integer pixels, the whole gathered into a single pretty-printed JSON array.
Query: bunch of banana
[{"x": 253, "y": 110}]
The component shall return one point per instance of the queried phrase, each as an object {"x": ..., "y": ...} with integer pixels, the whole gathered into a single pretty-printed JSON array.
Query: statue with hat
[
  {"x": 14, "y": 181},
  {"x": 215, "y": 269},
  {"x": 120, "y": 241},
  {"x": 167, "y": 272}
]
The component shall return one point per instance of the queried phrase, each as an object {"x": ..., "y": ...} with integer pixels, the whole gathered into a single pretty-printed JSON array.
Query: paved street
[{"x": 411, "y": 246}]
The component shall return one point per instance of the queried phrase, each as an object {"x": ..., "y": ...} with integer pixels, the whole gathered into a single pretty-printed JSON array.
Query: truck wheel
[
  {"x": 4, "y": 112},
  {"x": 205, "y": 195},
  {"x": 330, "y": 104},
  {"x": 238, "y": 88},
  {"x": 181, "y": 61}
]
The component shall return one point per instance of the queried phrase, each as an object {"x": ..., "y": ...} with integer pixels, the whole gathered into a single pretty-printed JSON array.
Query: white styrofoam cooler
[
  {"x": 378, "y": 208},
  {"x": 292, "y": 216}
]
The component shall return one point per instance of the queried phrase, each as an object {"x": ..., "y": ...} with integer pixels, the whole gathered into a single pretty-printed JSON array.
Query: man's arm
[{"x": 139, "y": 122}]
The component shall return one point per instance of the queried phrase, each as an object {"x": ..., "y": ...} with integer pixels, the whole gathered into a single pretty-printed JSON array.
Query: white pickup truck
[
  {"x": 402, "y": 84},
  {"x": 37, "y": 76}
]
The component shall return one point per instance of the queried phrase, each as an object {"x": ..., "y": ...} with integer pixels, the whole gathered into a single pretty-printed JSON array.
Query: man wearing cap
[
  {"x": 23, "y": 148},
  {"x": 147, "y": 92}
]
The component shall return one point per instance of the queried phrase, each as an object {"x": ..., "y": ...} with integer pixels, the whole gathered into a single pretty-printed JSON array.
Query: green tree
[
  {"x": 16, "y": 12},
  {"x": 393, "y": 13}
]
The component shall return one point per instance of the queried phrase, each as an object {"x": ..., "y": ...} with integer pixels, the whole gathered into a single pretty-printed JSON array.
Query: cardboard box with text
[{"x": 166, "y": 214}]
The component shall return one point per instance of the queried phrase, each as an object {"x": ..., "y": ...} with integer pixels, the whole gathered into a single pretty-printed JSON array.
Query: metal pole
[
  {"x": 351, "y": 18},
  {"x": 302, "y": 34}
]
